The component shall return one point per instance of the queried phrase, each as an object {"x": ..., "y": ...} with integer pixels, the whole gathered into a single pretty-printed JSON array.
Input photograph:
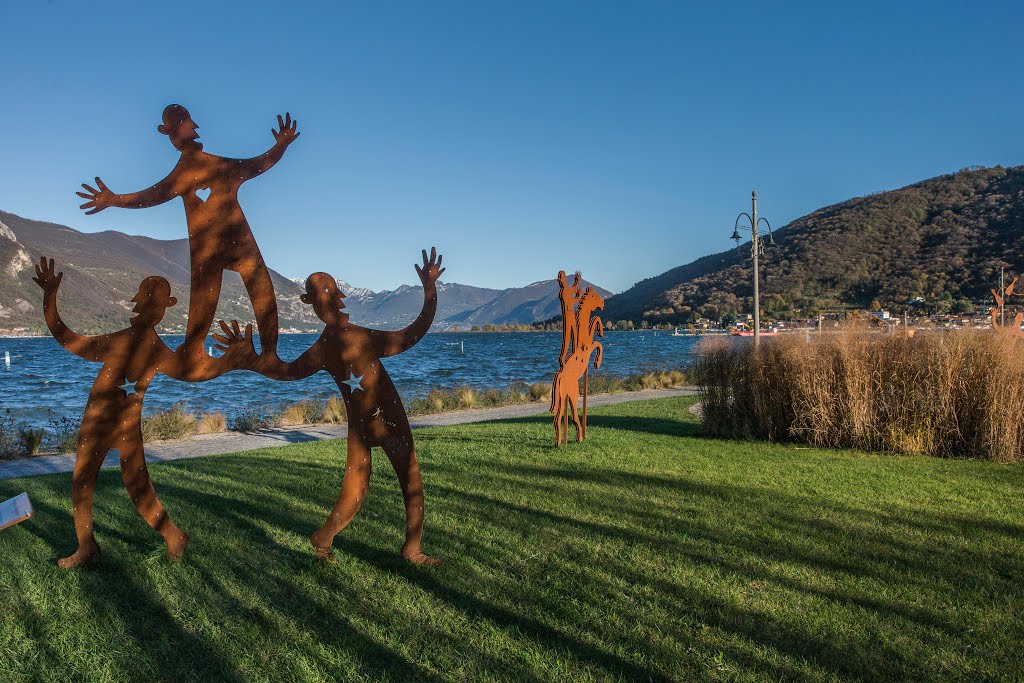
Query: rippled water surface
[{"x": 45, "y": 381}]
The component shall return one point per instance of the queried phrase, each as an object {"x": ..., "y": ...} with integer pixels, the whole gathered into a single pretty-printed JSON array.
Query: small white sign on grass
[{"x": 15, "y": 510}]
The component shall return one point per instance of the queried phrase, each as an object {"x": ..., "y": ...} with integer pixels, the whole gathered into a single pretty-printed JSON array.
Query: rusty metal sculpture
[
  {"x": 113, "y": 414},
  {"x": 376, "y": 417},
  {"x": 579, "y": 327},
  {"x": 996, "y": 311},
  {"x": 219, "y": 237},
  {"x": 220, "y": 240}
]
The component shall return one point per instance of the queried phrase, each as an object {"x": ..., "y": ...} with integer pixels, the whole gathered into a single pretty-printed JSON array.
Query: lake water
[{"x": 46, "y": 381}]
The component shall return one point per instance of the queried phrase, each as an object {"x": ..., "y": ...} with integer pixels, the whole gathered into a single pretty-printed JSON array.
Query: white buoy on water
[
  {"x": 7, "y": 359},
  {"x": 463, "y": 343}
]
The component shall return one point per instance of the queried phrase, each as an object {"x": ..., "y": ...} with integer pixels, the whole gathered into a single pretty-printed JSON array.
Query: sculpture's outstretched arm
[
  {"x": 89, "y": 348},
  {"x": 392, "y": 343},
  {"x": 250, "y": 168},
  {"x": 100, "y": 197}
]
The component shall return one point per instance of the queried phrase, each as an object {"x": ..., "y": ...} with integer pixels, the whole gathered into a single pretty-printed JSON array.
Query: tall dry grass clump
[
  {"x": 948, "y": 394},
  {"x": 212, "y": 423},
  {"x": 175, "y": 423},
  {"x": 334, "y": 410},
  {"x": 305, "y": 412}
]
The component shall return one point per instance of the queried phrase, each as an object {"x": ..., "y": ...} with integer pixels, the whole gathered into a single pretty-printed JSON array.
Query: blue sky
[{"x": 506, "y": 133}]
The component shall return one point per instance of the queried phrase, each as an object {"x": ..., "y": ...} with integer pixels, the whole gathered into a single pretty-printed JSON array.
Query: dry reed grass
[
  {"x": 948, "y": 394},
  {"x": 334, "y": 410},
  {"x": 212, "y": 423},
  {"x": 304, "y": 412},
  {"x": 176, "y": 423}
]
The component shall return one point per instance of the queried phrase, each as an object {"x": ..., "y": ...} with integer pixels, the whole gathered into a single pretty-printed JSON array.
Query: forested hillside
[{"x": 942, "y": 240}]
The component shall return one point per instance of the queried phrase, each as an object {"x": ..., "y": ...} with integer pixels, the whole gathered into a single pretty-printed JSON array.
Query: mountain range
[
  {"x": 102, "y": 272},
  {"x": 939, "y": 242}
]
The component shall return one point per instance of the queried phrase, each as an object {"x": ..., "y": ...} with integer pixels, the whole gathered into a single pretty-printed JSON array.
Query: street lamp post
[{"x": 756, "y": 245}]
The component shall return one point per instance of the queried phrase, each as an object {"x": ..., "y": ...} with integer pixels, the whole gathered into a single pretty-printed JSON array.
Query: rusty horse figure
[{"x": 565, "y": 388}]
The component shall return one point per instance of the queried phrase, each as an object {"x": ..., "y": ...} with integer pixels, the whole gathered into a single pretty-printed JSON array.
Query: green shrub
[
  {"x": 30, "y": 440},
  {"x": 253, "y": 419},
  {"x": 63, "y": 434}
]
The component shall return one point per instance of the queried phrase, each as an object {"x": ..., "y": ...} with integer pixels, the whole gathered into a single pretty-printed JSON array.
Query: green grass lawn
[{"x": 649, "y": 553}]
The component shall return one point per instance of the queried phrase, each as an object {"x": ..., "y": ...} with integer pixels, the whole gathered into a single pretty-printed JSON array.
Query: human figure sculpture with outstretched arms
[
  {"x": 113, "y": 415},
  {"x": 218, "y": 234},
  {"x": 376, "y": 417}
]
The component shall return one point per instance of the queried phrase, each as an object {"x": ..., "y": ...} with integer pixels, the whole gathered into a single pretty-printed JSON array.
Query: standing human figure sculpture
[
  {"x": 113, "y": 414},
  {"x": 219, "y": 236},
  {"x": 568, "y": 298},
  {"x": 376, "y": 417}
]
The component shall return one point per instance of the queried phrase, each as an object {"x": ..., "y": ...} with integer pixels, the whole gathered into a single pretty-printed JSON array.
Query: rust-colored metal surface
[
  {"x": 376, "y": 416},
  {"x": 219, "y": 236},
  {"x": 579, "y": 327},
  {"x": 996, "y": 311},
  {"x": 112, "y": 420},
  {"x": 220, "y": 240}
]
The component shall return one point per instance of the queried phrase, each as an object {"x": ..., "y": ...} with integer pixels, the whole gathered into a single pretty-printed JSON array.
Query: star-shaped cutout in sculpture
[
  {"x": 128, "y": 387},
  {"x": 354, "y": 382}
]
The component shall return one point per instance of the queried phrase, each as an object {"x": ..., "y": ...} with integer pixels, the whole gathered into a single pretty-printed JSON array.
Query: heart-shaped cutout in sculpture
[{"x": 203, "y": 194}]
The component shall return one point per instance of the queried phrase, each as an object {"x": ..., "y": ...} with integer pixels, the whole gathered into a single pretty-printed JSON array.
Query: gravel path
[{"x": 233, "y": 442}]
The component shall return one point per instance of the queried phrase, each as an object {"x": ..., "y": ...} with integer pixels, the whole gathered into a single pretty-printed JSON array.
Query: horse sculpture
[{"x": 565, "y": 388}]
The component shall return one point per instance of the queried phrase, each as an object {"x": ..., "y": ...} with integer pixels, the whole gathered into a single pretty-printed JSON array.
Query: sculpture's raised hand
[
  {"x": 98, "y": 199},
  {"x": 237, "y": 346},
  {"x": 45, "y": 276},
  {"x": 287, "y": 133},
  {"x": 431, "y": 269}
]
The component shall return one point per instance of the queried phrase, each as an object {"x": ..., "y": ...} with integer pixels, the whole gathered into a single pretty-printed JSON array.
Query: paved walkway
[{"x": 232, "y": 442}]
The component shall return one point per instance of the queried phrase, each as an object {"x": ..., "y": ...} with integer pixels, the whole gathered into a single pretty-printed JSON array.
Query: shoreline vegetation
[
  {"x": 178, "y": 422},
  {"x": 949, "y": 395}
]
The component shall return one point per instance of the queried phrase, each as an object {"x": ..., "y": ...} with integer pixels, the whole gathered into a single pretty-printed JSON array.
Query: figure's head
[
  {"x": 151, "y": 301},
  {"x": 591, "y": 300},
  {"x": 179, "y": 127},
  {"x": 563, "y": 283},
  {"x": 323, "y": 294}
]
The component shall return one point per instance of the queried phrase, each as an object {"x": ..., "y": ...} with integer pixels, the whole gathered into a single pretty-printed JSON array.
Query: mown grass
[{"x": 648, "y": 553}]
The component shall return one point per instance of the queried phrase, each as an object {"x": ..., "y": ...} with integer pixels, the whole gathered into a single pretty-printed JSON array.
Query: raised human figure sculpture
[{"x": 219, "y": 236}]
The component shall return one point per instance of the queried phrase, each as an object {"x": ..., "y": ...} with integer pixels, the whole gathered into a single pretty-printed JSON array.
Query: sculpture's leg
[
  {"x": 202, "y": 307},
  {"x": 573, "y": 400},
  {"x": 557, "y": 409},
  {"x": 264, "y": 304},
  {"x": 88, "y": 461},
  {"x": 350, "y": 497},
  {"x": 402, "y": 454},
  {"x": 140, "y": 490}
]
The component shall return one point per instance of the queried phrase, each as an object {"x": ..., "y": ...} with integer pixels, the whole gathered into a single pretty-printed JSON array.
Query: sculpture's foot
[
  {"x": 417, "y": 556},
  {"x": 323, "y": 546},
  {"x": 83, "y": 555},
  {"x": 177, "y": 540}
]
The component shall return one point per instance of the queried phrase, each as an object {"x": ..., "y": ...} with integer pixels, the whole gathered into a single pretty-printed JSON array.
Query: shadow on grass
[{"x": 686, "y": 555}]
